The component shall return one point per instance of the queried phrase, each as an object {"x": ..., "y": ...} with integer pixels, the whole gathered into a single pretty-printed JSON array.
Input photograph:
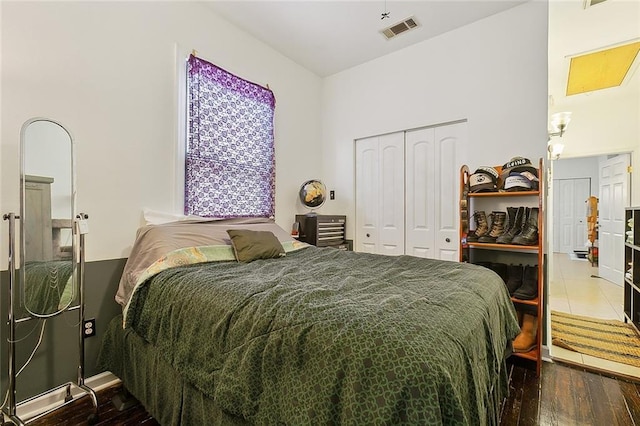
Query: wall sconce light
[
  {"x": 559, "y": 122},
  {"x": 555, "y": 149}
]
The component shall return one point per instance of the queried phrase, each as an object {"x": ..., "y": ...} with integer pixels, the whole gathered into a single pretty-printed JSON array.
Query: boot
[
  {"x": 526, "y": 340},
  {"x": 529, "y": 288},
  {"x": 529, "y": 234},
  {"x": 482, "y": 227},
  {"x": 500, "y": 269},
  {"x": 498, "y": 223},
  {"x": 516, "y": 220},
  {"x": 514, "y": 278}
]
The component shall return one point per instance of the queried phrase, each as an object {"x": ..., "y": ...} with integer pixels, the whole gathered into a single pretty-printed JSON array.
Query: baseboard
[
  {"x": 546, "y": 354},
  {"x": 52, "y": 399}
]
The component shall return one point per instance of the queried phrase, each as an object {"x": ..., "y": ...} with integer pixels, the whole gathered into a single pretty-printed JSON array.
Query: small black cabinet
[{"x": 323, "y": 230}]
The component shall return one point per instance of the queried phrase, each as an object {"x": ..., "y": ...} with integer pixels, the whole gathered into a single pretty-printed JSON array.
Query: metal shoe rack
[{"x": 475, "y": 252}]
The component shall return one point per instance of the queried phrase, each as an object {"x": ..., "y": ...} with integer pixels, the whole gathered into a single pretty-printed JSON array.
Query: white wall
[
  {"x": 106, "y": 71},
  {"x": 492, "y": 73},
  {"x": 573, "y": 168}
]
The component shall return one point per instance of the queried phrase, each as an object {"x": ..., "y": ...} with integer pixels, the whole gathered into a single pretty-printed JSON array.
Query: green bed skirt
[
  {"x": 148, "y": 377},
  {"x": 173, "y": 401}
]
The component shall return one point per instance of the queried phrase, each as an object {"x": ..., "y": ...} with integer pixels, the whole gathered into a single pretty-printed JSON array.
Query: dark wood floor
[
  {"x": 569, "y": 395},
  {"x": 563, "y": 395}
]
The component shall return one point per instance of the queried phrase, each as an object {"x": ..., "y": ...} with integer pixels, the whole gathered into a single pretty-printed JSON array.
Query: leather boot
[
  {"x": 500, "y": 269},
  {"x": 529, "y": 234},
  {"x": 516, "y": 220},
  {"x": 498, "y": 224},
  {"x": 526, "y": 340},
  {"x": 514, "y": 278},
  {"x": 482, "y": 227},
  {"x": 529, "y": 288}
]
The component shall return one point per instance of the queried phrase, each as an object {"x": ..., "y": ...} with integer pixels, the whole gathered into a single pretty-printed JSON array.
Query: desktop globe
[{"x": 312, "y": 194}]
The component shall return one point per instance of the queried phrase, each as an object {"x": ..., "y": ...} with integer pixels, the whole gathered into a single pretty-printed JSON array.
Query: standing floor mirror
[{"x": 49, "y": 278}]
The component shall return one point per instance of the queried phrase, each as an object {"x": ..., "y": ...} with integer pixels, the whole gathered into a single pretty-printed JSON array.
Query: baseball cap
[
  {"x": 482, "y": 182},
  {"x": 517, "y": 182}
]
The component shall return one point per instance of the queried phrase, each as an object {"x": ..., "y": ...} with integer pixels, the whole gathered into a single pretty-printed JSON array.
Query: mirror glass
[{"x": 48, "y": 260}]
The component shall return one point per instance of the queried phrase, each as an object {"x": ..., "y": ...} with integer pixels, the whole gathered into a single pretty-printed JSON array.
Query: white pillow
[{"x": 155, "y": 217}]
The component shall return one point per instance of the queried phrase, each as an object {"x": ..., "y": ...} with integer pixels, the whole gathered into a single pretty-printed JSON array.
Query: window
[{"x": 230, "y": 156}]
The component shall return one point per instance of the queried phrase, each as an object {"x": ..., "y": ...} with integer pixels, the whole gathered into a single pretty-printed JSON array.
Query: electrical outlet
[{"x": 89, "y": 328}]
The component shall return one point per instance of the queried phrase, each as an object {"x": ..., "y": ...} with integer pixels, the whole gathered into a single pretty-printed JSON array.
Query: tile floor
[{"x": 572, "y": 289}]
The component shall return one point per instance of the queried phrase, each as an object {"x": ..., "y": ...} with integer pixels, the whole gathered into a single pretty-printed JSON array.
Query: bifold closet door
[
  {"x": 380, "y": 194},
  {"x": 432, "y": 163},
  {"x": 570, "y": 214}
]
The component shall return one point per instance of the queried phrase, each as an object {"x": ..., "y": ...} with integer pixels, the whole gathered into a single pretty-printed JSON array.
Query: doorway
[{"x": 575, "y": 284}]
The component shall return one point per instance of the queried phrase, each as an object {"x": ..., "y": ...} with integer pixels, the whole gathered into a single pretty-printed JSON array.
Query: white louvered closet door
[
  {"x": 432, "y": 192},
  {"x": 380, "y": 194}
]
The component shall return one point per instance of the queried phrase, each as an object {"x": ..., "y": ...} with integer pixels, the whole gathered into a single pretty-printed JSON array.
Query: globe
[{"x": 313, "y": 194}]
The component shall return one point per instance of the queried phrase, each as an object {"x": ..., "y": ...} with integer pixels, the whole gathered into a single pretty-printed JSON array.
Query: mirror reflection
[{"x": 48, "y": 264}]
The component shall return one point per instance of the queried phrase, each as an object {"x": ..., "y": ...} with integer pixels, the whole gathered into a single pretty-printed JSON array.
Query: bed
[{"x": 307, "y": 336}]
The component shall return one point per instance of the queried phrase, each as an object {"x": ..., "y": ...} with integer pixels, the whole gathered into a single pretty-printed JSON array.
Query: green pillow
[{"x": 251, "y": 245}]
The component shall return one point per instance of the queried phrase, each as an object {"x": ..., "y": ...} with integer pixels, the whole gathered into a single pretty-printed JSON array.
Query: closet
[{"x": 407, "y": 192}]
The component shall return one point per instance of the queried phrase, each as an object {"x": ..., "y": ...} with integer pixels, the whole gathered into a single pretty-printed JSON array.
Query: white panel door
[
  {"x": 581, "y": 192},
  {"x": 380, "y": 194},
  {"x": 432, "y": 191},
  {"x": 367, "y": 183},
  {"x": 420, "y": 176},
  {"x": 614, "y": 197},
  {"x": 449, "y": 142},
  {"x": 391, "y": 200},
  {"x": 565, "y": 215},
  {"x": 570, "y": 220}
]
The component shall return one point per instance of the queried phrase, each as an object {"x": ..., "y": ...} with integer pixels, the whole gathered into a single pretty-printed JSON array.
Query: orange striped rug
[{"x": 607, "y": 339}]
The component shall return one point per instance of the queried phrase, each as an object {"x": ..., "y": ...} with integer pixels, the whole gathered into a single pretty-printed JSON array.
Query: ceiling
[
  {"x": 327, "y": 37},
  {"x": 574, "y": 31}
]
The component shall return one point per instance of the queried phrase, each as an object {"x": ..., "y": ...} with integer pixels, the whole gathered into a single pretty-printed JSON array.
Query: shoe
[
  {"x": 514, "y": 278},
  {"x": 482, "y": 227},
  {"x": 529, "y": 288},
  {"x": 529, "y": 234},
  {"x": 526, "y": 340},
  {"x": 498, "y": 222},
  {"x": 516, "y": 221},
  {"x": 500, "y": 269}
]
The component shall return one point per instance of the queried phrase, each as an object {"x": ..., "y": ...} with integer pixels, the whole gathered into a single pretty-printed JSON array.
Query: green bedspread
[{"x": 323, "y": 336}]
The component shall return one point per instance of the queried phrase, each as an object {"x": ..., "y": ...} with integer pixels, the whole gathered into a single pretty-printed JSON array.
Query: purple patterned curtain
[{"x": 230, "y": 158}]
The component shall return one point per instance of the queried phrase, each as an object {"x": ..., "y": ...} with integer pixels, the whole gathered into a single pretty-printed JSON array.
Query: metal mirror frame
[{"x": 72, "y": 218}]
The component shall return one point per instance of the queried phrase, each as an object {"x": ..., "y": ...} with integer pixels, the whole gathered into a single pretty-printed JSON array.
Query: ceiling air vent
[{"x": 401, "y": 27}]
